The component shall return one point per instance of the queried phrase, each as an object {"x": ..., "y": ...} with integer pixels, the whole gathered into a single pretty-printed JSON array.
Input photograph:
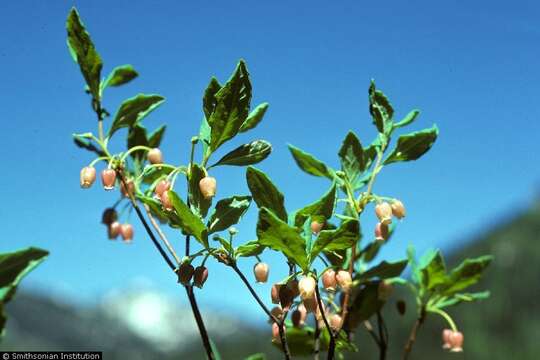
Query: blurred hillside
[{"x": 144, "y": 325}]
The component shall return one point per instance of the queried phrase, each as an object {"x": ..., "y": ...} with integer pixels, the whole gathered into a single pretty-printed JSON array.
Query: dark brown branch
[
  {"x": 332, "y": 344},
  {"x": 412, "y": 337},
  {"x": 200, "y": 323},
  {"x": 383, "y": 336}
]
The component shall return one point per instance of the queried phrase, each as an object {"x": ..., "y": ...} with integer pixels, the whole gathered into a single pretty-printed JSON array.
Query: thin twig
[
  {"x": 317, "y": 345},
  {"x": 383, "y": 346},
  {"x": 369, "y": 328},
  {"x": 200, "y": 323},
  {"x": 332, "y": 344},
  {"x": 412, "y": 337},
  {"x": 161, "y": 234}
]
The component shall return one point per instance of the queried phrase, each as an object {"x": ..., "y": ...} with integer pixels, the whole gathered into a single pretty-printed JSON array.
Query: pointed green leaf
[
  {"x": 232, "y": 107},
  {"x": 352, "y": 158},
  {"x": 251, "y": 248},
  {"x": 432, "y": 269},
  {"x": 265, "y": 193},
  {"x": 321, "y": 210},
  {"x": 278, "y": 235},
  {"x": 466, "y": 274},
  {"x": 415, "y": 270},
  {"x": 155, "y": 138},
  {"x": 197, "y": 202},
  {"x": 188, "y": 221},
  {"x": 257, "y": 356},
  {"x": 462, "y": 297},
  {"x": 204, "y": 135},
  {"x": 254, "y": 117},
  {"x": 137, "y": 137},
  {"x": 228, "y": 212},
  {"x": 83, "y": 52},
  {"x": 209, "y": 99},
  {"x": 87, "y": 144},
  {"x": 226, "y": 244},
  {"x": 412, "y": 146},
  {"x": 119, "y": 76},
  {"x": 134, "y": 110},
  {"x": 380, "y": 108},
  {"x": 247, "y": 154},
  {"x": 364, "y": 303},
  {"x": 409, "y": 119},
  {"x": 344, "y": 237},
  {"x": 310, "y": 164},
  {"x": 384, "y": 270}
]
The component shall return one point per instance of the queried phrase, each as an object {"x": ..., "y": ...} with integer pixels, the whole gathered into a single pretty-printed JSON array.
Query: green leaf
[
  {"x": 14, "y": 266},
  {"x": 119, "y": 76},
  {"x": 279, "y": 236},
  {"x": 265, "y": 193},
  {"x": 247, "y": 154},
  {"x": 254, "y": 118},
  {"x": 380, "y": 109},
  {"x": 197, "y": 201},
  {"x": 462, "y": 297},
  {"x": 258, "y": 356},
  {"x": 384, "y": 270},
  {"x": 412, "y": 146},
  {"x": 155, "y": 138},
  {"x": 188, "y": 221},
  {"x": 364, "y": 303},
  {"x": 87, "y": 144},
  {"x": 432, "y": 269},
  {"x": 301, "y": 341},
  {"x": 204, "y": 135},
  {"x": 352, "y": 157},
  {"x": 415, "y": 271},
  {"x": 320, "y": 210},
  {"x": 83, "y": 52},
  {"x": 155, "y": 173},
  {"x": 134, "y": 110},
  {"x": 137, "y": 137},
  {"x": 228, "y": 212},
  {"x": 251, "y": 248},
  {"x": 411, "y": 116},
  {"x": 209, "y": 99},
  {"x": 342, "y": 238},
  {"x": 226, "y": 244},
  {"x": 232, "y": 107},
  {"x": 310, "y": 164},
  {"x": 466, "y": 274},
  {"x": 157, "y": 210}
]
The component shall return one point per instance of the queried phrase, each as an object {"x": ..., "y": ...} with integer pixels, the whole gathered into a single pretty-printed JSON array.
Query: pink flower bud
[
  {"x": 166, "y": 201},
  {"x": 286, "y": 297},
  {"x": 335, "y": 322},
  {"x": 114, "y": 230},
  {"x": 398, "y": 209},
  {"x": 161, "y": 187},
  {"x": 298, "y": 316},
  {"x": 109, "y": 216},
  {"x": 317, "y": 312},
  {"x": 344, "y": 280},
  {"x": 261, "y": 272},
  {"x": 207, "y": 185},
  {"x": 381, "y": 232},
  {"x": 108, "y": 177},
  {"x": 316, "y": 227},
  {"x": 329, "y": 280},
  {"x": 200, "y": 275},
  {"x": 275, "y": 333},
  {"x": 88, "y": 176},
  {"x": 185, "y": 272},
  {"x": 126, "y": 230},
  {"x": 277, "y": 312},
  {"x": 384, "y": 290},
  {"x": 293, "y": 286},
  {"x": 311, "y": 304},
  {"x": 307, "y": 287},
  {"x": 456, "y": 341},
  {"x": 275, "y": 293},
  {"x": 446, "y": 339},
  {"x": 130, "y": 188},
  {"x": 155, "y": 156},
  {"x": 384, "y": 213}
]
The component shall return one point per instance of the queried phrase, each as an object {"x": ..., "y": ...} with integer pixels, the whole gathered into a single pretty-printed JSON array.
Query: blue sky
[{"x": 471, "y": 67}]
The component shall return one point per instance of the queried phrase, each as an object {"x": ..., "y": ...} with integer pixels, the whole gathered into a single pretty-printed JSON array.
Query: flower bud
[
  {"x": 298, "y": 316},
  {"x": 130, "y": 188},
  {"x": 185, "y": 272},
  {"x": 274, "y": 293},
  {"x": 109, "y": 216},
  {"x": 207, "y": 185},
  {"x": 456, "y": 341},
  {"x": 166, "y": 201},
  {"x": 381, "y": 232},
  {"x": 307, "y": 287},
  {"x": 88, "y": 176},
  {"x": 335, "y": 322},
  {"x": 384, "y": 290},
  {"x": 162, "y": 187},
  {"x": 446, "y": 339},
  {"x": 261, "y": 272},
  {"x": 317, "y": 312},
  {"x": 384, "y": 213},
  {"x": 344, "y": 280},
  {"x": 286, "y": 297},
  {"x": 108, "y": 177},
  {"x": 277, "y": 312},
  {"x": 155, "y": 156},
  {"x": 398, "y": 209},
  {"x": 293, "y": 286},
  {"x": 126, "y": 230},
  {"x": 316, "y": 227},
  {"x": 275, "y": 333},
  {"x": 329, "y": 280},
  {"x": 114, "y": 229},
  {"x": 311, "y": 304},
  {"x": 200, "y": 275}
]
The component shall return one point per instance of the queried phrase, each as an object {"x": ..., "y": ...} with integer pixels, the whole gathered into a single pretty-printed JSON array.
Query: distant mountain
[{"x": 146, "y": 325}]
